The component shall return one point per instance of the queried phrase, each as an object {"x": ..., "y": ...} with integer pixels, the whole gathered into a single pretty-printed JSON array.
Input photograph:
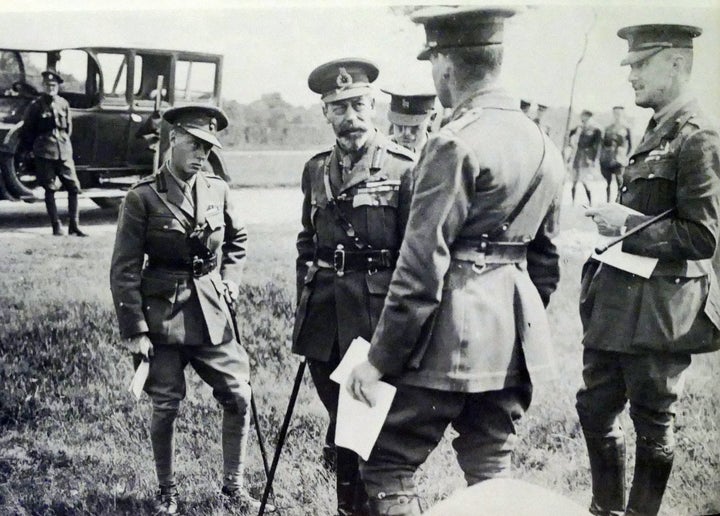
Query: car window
[
  {"x": 147, "y": 69},
  {"x": 194, "y": 81},
  {"x": 114, "y": 73},
  {"x": 73, "y": 66},
  {"x": 12, "y": 64}
]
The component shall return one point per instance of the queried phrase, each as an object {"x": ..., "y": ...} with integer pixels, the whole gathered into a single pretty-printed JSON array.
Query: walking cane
[
  {"x": 601, "y": 249},
  {"x": 282, "y": 435},
  {"x": 253, "y": 407}
]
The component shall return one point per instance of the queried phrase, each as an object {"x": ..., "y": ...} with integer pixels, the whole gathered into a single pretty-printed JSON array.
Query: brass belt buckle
[
  {"x": 339, "y": 260},
  {"x": 197, "y": 266}
]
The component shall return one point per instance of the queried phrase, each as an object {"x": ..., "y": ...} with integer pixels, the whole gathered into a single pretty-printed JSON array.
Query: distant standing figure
[
  {"x": 615, "y": 149},
  {"x": 588, "y": 138},
  {"x": 539, "y": 115},
  {"x": 178, "y": 259},
  {"x": 410, "y": 115},
  {"x": 640, "y": 334},
  {"x": 46, "y": 130}
]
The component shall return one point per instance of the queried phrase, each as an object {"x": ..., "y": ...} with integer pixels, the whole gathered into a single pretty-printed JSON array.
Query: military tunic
[
  {"x": 462, "y": 328},
  {"x": 156, "y": 292},
  {"x": 677, "y": 165},
  {"x": 375, "y": 199}
]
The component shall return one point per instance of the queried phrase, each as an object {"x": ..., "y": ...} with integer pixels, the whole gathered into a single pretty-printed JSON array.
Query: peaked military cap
[
  {"x": 647, "y": 40},
  {"x": 525, "y": 104},
  {"x": 541, "y": 107},
  {"x": 410, "y": 108},
  {"x": 461, "y": 26},
  {"x": 619, "y": 107},
  {"x": 52, "y": 75},
  {"x": 343, "y": 79},
  {"x": 586, "y": 112},
  {"x": 201, "y": 121}
]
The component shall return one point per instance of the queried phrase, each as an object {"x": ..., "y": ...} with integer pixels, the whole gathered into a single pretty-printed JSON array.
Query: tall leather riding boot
[
  {"x": 351, "y": 496},
  {"x": 74, "y": 215},
  {"x": 652, "y": 470},
  {"x": 51, "y": 207},
  {"x": 607, "y": 467}
]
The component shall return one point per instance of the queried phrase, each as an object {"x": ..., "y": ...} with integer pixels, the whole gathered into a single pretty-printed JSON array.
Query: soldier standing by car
[
  {"x": 357, "y": 198},
  {"x": 47, "y": 126},
  {"x": 172, "y": 306},
  {"x": 639, "y": 334},
  {"x": 464, "y": 328}
]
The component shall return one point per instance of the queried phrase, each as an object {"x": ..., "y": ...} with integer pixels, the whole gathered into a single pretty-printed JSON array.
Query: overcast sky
[{"x": 273, "y": 46}]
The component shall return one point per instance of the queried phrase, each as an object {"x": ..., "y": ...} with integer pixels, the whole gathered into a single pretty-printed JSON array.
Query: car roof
[{"x": 191, "y": 53}]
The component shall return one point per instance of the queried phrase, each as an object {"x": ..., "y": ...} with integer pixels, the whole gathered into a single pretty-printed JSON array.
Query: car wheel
[{"x": 18, "y": 176}]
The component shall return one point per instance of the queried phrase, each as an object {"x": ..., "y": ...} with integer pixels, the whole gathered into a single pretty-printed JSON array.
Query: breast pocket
[
  {"x": 380, "y": 207},
  {"x": 652, "y": 186}
]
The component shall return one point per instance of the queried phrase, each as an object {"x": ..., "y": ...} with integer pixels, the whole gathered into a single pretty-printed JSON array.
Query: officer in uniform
[
  {"x": 357, "y": 199},
  {"x": 464, "y": 328},
  {"x": 639, "y": 333},
  {"x": 410, "y": 115},
  {"x": 178, "y": 259},
  {"x": 616, "y": 145},
  {"x": 587, "y": 137},
  {"x": 47, "y": 127}
]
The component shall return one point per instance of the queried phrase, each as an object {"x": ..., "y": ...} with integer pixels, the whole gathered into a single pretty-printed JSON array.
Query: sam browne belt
[{"x": 367, "y": 260}]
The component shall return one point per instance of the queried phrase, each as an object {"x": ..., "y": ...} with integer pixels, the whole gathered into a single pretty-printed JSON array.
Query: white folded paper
[
  {"x": 139, "y": 378},
  {"x": 359, "y": 425},
  {"x": 633, "y": 263}
]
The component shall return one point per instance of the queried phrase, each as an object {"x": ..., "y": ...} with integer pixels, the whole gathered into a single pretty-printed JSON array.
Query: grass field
[{"x": 73, "y": 441}]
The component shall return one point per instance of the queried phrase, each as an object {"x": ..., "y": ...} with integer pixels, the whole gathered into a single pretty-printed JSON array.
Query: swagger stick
[
  {"x": 253, "y": 407},
  {"x": 601, "y": 249},
  {"x": 282, "y": 434}
]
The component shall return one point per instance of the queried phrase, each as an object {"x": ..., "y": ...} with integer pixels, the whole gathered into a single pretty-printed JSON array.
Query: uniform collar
[
  {"x": 672, "y": 108},
  {"x": 493, "y": 96}
]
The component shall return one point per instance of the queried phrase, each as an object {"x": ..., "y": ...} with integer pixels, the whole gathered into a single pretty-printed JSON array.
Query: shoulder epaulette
[
  {"x": 466, "y": 119},
  {"x": 321, "y": 154},
  {"x": 145, "y": 180},
  {"x": 398, "y": 149}
]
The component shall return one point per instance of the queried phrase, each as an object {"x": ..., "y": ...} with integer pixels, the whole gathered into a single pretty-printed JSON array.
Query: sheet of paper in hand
[
  {"x": 359, "y": 425},
  {"x": 633, "y": 263},
  {"x": 139, "y": 378}
]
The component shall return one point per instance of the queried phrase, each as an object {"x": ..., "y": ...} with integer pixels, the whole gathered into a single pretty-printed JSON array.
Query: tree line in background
[{"x": 273, "y": 123}]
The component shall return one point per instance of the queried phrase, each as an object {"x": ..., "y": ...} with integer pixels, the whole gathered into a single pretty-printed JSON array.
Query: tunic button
[
  {"x": 677, "y": 280},
  {"x": 165, "y": 226},
  {"x": 631, "y": 162},
  {"x": 650, "y": 176},
  {"x": 623, "y": 189},
  {"x": 504, "y": 227}
]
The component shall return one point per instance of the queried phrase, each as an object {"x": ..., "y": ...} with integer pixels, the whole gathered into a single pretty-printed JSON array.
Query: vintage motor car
[{"x": 112, "y": 92}]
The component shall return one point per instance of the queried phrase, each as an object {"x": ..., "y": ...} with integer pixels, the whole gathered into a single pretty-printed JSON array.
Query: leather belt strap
[
  {"x": 197, "y": 267},
  {"x": 492, "y": 253},
  {"x": 342, "y": 261}
]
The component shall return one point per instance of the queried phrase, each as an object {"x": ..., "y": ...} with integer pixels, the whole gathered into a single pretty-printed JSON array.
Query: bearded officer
[
  {"x": 179, "y": 254},
  {"x": 463, "y": 329},
  {"x": 639, "y": 333},
  {"x": 47, "y": 127},
  {"x": 410, "y": 115},
  {"x": 357, "y": 199}
]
